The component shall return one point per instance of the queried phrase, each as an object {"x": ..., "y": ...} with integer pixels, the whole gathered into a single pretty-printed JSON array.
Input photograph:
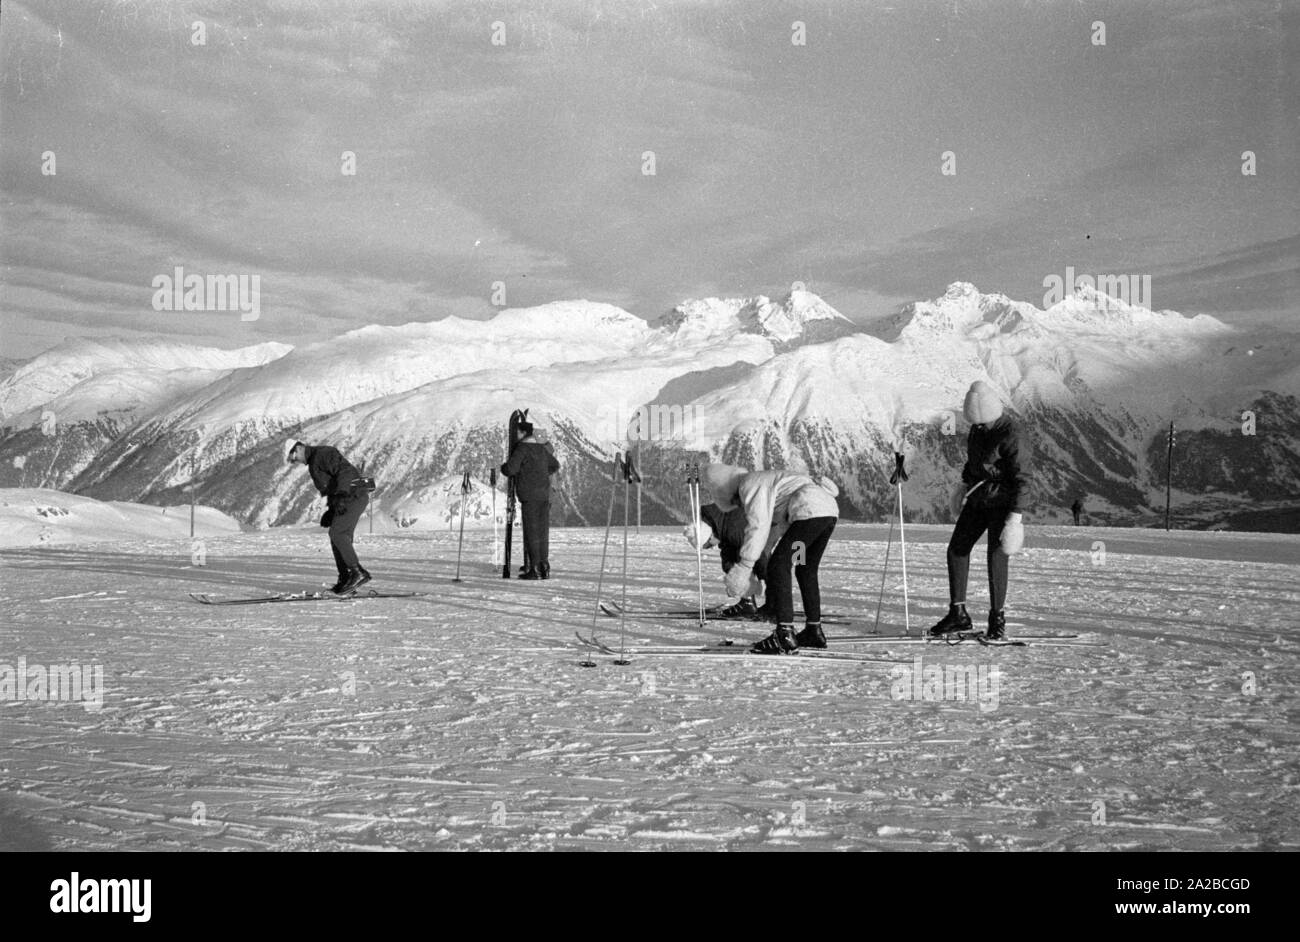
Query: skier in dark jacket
[
  {"x": 531, "y": 464},
  {"x": 1077, "y": 509},
  {"x": 345, "y": 500},
  {"x": 995, "y": 485},
  {"x": 727, "y": 532}
]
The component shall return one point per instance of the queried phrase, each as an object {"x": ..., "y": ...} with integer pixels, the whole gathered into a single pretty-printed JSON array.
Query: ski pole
[
  {"x": 899, "y": 476},
  {"x": 884, "y": 573},
  {"x": 609, "y": 523},
  {"x": 629, "y": 471},
  {"x": 460, "y": 543}
]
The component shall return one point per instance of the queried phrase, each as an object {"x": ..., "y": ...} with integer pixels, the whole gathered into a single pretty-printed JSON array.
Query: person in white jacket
[{"x": 796, "y": 514}]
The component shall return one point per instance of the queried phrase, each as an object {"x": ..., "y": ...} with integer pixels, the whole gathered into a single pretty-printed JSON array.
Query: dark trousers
[
  {"x": 342, "y": 527},
  {"x": 537, "y": 532},
  {"x": 813, "y": 534},
  {"x": 974, "y": 520}
]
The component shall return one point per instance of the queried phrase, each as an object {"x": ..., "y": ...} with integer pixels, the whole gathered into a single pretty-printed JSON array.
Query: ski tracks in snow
[{"x": 467, "y": 721}]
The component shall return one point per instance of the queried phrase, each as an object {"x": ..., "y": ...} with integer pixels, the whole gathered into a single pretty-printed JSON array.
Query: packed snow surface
[{"x": 465, "y": 719}]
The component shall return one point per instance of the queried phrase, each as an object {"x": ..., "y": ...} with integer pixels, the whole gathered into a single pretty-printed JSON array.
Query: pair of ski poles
[
  {"x": 627, "y": 468},
  {"x": 896, "y": 479}
]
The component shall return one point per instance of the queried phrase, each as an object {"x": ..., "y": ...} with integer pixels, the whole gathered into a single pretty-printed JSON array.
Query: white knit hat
[
  {"x": 982, "y": 405},
  {"x": 722, "y": 480}
]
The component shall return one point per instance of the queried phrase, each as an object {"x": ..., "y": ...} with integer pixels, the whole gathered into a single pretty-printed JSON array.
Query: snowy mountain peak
[
  {"x": 799, "y": 316},
  {"x": 961, "y": 309}
]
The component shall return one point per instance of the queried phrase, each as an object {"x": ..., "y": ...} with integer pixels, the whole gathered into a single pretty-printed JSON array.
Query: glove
[
  {"x": 739, "y": 581},
  {"x": 327, "y": 518},
  {"x": 1013, "y": 534},
  {"x": 704, "y": 536},
  {"x": 504, "y": 472}
]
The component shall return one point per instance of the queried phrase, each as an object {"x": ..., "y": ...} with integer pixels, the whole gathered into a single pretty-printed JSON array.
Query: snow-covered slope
[
  {"x": 35, "y": 517},
  {"x": 45, "y": 378}
]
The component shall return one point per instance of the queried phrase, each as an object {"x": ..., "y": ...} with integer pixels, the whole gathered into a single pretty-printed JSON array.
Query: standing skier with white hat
[{"x": 995, "y": 486}]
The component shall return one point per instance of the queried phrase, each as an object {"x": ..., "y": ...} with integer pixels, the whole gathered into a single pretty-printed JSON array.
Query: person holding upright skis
[
  {"x": 995, "y": 485},
  {"x": 345, "y": 500},
  {"x": 530, "y": 465},
  {"x": 801, "y": 515},
  {"x": 726, "y": 530}
]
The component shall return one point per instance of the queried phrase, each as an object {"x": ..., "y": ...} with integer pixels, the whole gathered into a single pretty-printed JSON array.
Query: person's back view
[{"x": 531, "y": 465}]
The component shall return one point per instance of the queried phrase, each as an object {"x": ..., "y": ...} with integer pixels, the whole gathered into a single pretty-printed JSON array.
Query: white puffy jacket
[{"x": 775, "y": 499}]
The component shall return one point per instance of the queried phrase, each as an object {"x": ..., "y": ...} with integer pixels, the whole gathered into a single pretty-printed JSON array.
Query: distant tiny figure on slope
[
  {"x": 531, "y": 464},
  {"x": 798, "y": 515},
  {"x": 1077, "y": 509},
  {"x": 346, "y": 497},
  {"x": 992, "y": 497}
]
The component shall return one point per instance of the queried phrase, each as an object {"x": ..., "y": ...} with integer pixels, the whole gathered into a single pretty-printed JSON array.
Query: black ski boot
[
  {"x": 997, "y": 626},
  {"x": 811, "y": 636},
  {"x": 544, "y": 570},
  {"x": 350, "y": 586},
  {"x": 743, "y": 608},
  {"x": 343, "y": 578},
  {"x": 365, "y": 576},
  {"x": 780, "y": 641},
  {"x": 956, "y": 620},
  {"x": 531, "y": 575}
]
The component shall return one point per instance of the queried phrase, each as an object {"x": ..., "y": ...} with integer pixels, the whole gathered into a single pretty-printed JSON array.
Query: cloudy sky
[{"x": 522, "y": 163}]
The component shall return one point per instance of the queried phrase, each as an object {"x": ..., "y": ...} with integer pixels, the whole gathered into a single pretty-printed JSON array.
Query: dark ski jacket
[
  {"x": 729, "y": 530},
  {"x": 993, "y": 454},
  {"x": 331, "y": 473},
  {"x": 531, "y": 464}
]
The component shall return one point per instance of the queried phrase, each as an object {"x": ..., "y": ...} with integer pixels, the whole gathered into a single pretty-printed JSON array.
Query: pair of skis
[{"x": 718, "y": 650}]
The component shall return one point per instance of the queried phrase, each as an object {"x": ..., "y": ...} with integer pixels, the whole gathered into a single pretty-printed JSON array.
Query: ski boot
[
  {"x": 531, "y": 575},
  {"x": 343, "y": 578},
  {"x": 956, "y": 620},
  {"x": 365, "y": 576},
  {"x": 780, "y": 641},
  {"x": 811, "y": 636},
  {"x": 743, "y": 608},
  {"x": 350, "y": 585},
  {"x": 997, "y": 627},
  {"x": 544, "y": 570}
]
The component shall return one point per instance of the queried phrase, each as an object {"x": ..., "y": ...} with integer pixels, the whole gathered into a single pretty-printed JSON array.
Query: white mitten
[
  {"x": 1013, "y": 534},
  {"x": 698, "y": 534},
  {"x": 738, "y": 581}
]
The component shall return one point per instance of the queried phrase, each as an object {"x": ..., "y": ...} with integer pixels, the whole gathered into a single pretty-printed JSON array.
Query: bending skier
[
  {"x": 726, "y": 530},
  {"x": 992, "y": 497},
  {"x": 531, "y": 464},
  {"x": 801, "y": 515},
  {"x": 345, "y": 500}
]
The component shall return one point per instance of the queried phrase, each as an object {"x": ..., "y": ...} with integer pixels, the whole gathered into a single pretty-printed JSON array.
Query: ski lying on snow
[
  {"x": 303, "y": 597},
  {"x": 953, "y": 638},
  {"x": 613, "y": 610},
  {"x": 1019, "y": 641}
]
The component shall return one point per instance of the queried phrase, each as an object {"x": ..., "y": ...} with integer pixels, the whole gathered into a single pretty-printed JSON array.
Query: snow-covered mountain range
[{"x": 786, "y": 382}]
